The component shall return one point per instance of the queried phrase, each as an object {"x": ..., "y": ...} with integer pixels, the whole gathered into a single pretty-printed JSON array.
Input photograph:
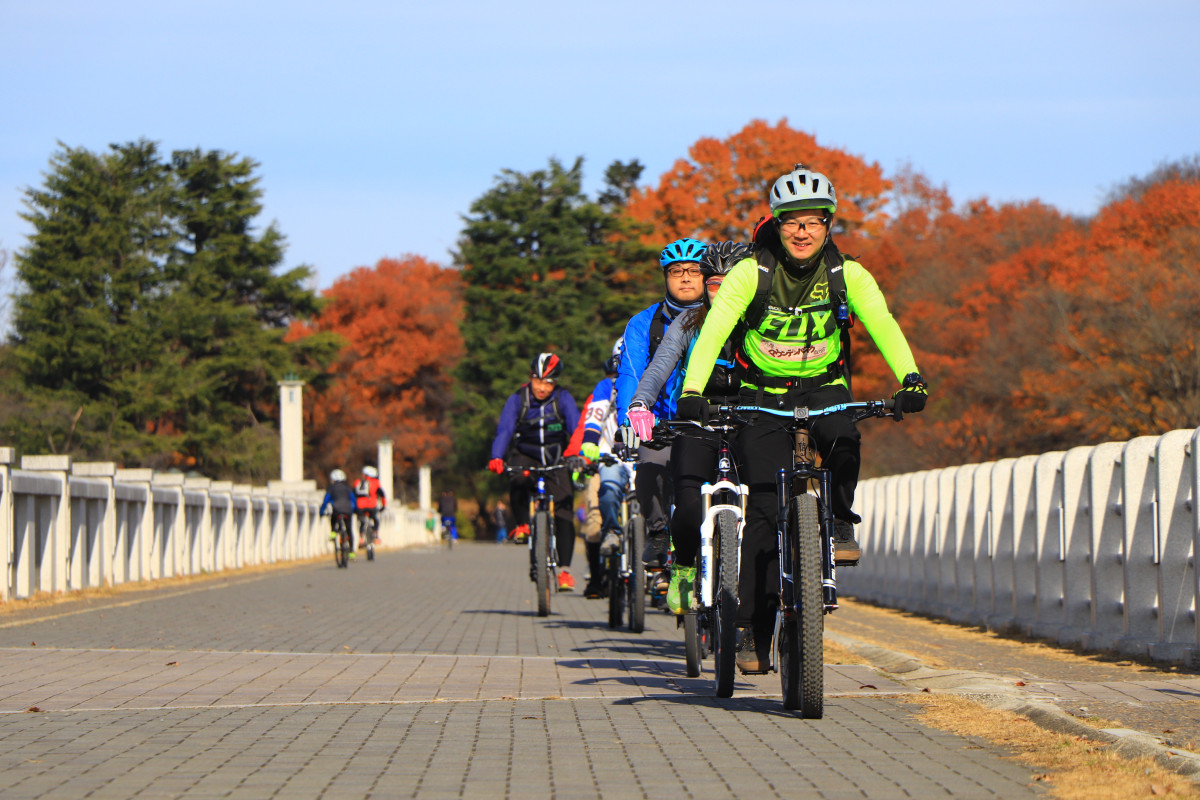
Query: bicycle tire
[
  {"x": 802, "y": 630},
  {"x": 541, "y": 555},
  {"x": 637, "y": 574},
  {"x": 724, "y": 616},
  {"x": 616, "y": 591},
  {"x": 339, "y": 550},
  {"x": 692, "y": 652}
]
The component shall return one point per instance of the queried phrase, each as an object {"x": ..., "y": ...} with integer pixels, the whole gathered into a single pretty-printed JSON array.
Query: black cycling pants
[
  {"x": 693, "y": 463},
  {"x": 558, "y": 486},
  {"x": 762, "y": 449}
]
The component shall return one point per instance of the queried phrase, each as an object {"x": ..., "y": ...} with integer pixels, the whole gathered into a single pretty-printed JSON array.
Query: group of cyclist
[
  {"x": 360, "y": 501},
  {"x": 762, "y": 323}
]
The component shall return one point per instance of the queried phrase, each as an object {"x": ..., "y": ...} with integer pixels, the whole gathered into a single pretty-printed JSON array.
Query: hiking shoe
[
  {"x": 745, "y": 653},
  {"x": 679, "y": 593},
  {"x": 655, "y": 553},
  {"x": 565, "y": 582},
  {"x": 352, "y": 555},
  {"x": 611, "y": 544},
  {"x": 658, "y": 583},
  {"x": 520, "y": 534},
  {"x": 595, "y": 589},
  {"x": 846, "y": 551}
]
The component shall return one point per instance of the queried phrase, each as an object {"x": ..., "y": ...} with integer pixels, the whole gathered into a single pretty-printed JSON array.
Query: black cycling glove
[
  {"x": 693, "y": 406},
  {"x": 912, "y": 395}
]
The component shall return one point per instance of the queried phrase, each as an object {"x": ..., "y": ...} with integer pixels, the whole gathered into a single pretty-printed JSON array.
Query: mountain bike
[
  {"x": 626, "y": 573},
  {"x": 807, "y": 573},
  {"x": 341, "y": 539},
  {"x": 366, "y": 529},
  {"x": 710, "y": 627},
  {"x": 543, "y": 553}
]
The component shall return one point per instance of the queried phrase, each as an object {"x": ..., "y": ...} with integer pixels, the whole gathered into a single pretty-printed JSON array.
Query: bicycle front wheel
[
  {"x": 724, "y": 616},
  {"x": 616, "y": 590},
  {"x": 802, "y": 627},
  {"x": 691, "y": 644},
  {"x": 636, "y": 542},
  {"x": 541, "y": 559}
]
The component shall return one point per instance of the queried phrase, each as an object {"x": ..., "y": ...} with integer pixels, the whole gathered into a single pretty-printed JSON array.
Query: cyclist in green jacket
[{"x": 792, "y": 353}]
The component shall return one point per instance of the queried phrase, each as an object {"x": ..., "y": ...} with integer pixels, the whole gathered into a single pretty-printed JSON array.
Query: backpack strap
[{"x": 658, "y": 329}]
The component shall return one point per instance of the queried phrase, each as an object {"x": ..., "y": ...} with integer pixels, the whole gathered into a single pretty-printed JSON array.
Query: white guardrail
[
  {"x": 66, "y": 527},
  {"x": 1095, "y": 546}
]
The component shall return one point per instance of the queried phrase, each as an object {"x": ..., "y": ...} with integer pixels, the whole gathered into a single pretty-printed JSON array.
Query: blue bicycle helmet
[{"x": 681, "y": 250}]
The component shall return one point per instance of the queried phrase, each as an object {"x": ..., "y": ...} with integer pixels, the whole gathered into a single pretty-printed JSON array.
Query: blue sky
[{"x": 377, "y": 123}]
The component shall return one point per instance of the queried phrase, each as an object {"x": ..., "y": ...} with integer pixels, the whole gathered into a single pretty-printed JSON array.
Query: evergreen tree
[
  {"x": 544, "y": 268},
  {"x": 149, "y": 322}
]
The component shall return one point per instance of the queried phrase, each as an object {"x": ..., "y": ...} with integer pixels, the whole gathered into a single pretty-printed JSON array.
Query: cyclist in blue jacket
[
  {"x": 680, "y": 262},
  {"x": 342, "y": 502},
  {"x": 534, "y": 430}
]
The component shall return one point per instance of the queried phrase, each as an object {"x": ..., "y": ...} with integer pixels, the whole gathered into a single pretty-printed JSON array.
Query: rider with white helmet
[
  {"x": 339, "y": 497},
  {"x": 370, "y": 498},
  {"x": 794, "y": 299}
]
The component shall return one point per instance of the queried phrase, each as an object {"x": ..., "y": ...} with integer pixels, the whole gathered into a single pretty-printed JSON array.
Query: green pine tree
[
  {"x": 148, "y": 322},
  {"x": 544, "y": 268}
]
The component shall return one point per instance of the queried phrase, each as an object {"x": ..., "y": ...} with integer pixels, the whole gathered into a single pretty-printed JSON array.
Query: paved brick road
[{"x": 427, "y": 674}]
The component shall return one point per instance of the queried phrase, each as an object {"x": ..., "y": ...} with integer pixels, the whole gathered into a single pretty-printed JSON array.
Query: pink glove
[{"x": 642, "y": 422}]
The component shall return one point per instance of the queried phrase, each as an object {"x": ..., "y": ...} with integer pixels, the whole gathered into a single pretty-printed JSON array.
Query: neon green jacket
[{"x": 791, "y": 341}]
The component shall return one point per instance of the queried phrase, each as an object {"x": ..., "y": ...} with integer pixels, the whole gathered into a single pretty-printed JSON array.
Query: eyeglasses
[
  {"x": 810, "y": 225},
  {"x": 679, "y": 272},
  {"x": 714, "y": 282}
]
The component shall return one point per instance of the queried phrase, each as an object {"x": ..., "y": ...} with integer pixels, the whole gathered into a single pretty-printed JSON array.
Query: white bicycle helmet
[
  {"x": 802, "y": 188},
  {"x": 370, "y": 472},
  {"x": 337, "y": 475}
]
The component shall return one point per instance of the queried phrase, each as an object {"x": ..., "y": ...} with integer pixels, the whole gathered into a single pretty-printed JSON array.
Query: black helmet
[
  {"x": 546, "y": 366},
  {"x": 719, "y": 258}
]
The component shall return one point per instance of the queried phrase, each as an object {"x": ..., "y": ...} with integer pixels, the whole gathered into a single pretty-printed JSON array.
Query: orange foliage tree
[
  {"x": 1039, "y": 332},
  {"x": 400, "y": 320},
  {"x": 721, "y": 189}
]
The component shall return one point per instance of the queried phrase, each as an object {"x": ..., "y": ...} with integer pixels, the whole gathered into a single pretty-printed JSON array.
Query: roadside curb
[{"x": 996, "y": 691}]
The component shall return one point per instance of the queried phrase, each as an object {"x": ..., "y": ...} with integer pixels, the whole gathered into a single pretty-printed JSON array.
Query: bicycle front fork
[{"x": 783, "y": 491}]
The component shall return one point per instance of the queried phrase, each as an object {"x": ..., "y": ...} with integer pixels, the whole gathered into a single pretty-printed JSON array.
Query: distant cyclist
[
  {"x": 340, "y": 498},
  {"x": 534, "y": 430},
  {"x": 370, "y": 498},
  {"x": 448, "y": 511},
  {"x": 605, "y": 489}
]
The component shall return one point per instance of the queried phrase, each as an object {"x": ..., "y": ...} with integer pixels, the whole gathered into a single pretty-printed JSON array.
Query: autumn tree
[
  {"x": 720, "y": 190},
  {"x": 399, "y": 321}
]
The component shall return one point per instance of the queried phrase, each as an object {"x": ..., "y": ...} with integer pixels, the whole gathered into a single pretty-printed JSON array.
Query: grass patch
[{"x": 1070, "y": 767}]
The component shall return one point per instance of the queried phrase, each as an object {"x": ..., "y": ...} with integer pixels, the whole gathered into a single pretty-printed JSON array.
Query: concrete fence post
[
  {"x": 1077, "y": 557},
  {"x": 101, "y": 548},
  {"x": 1175, "y": 526},
  {"x": 7, "y": 527},
  {"x": 1139, "y": 515},
  {"x": 56, "y": 554},
  {"x": 1046, "y": 559}
]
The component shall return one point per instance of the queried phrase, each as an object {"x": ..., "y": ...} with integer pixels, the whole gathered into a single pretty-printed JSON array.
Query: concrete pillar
[
  {"x": 7, "y": 455},
  {"x": 291, "y": 430},
  {"x": 426, "y": 487},
  {"x": 386, "y": 473},
  {"x": 57, "y": 553},
  {"x": 103, "y": 552}
]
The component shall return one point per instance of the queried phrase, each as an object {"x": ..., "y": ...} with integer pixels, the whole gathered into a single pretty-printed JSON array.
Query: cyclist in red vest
[{"x": 370, "y": 498}]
